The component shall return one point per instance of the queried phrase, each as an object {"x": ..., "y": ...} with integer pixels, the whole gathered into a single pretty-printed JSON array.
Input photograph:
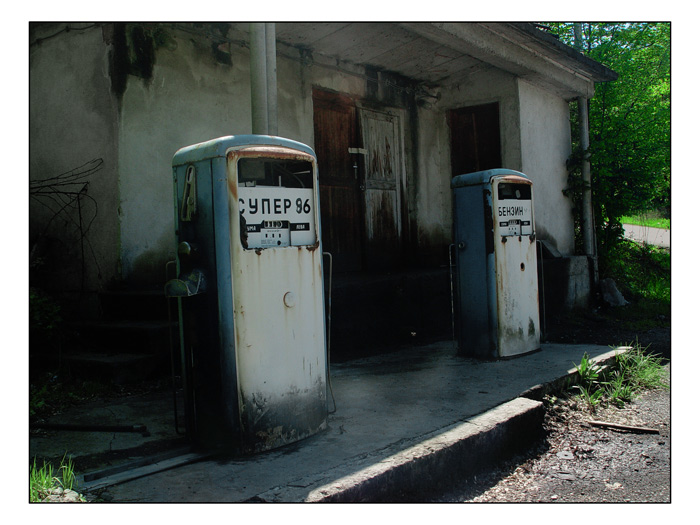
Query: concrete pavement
[
  {"x": 655, "y": 236},
  {"x": 404, "y": 421}
]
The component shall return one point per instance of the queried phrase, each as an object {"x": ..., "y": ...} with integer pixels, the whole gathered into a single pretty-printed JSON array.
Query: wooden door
[
  {"x": 335, "y": 132},
  {"x": 381, "y": 188},
  {"x": 476, "y": 138}
]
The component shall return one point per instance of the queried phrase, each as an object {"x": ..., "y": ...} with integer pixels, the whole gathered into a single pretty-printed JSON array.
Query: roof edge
[{"x": 597, "y": 71}]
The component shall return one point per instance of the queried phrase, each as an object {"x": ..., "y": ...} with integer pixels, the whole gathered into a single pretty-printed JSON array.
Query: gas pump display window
[
  {"x": 276, "y": 202},
  {"x": 514, "y": 209}
]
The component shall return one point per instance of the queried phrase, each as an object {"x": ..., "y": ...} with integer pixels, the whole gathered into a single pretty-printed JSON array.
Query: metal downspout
[
  {"x": 271, "y": 74},
  {"x": 263, "y": 78},
  {"x": 258, "y": 79},
  {"x": 589, "y": 244},
  {"x": 588, "y": 225}
]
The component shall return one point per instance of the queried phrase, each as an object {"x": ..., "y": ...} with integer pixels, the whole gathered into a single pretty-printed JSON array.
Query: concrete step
[
  {"x": 131, "y": 340},
  {"x": 116, "y": 367},
  {"x": 135, "y": 304},
  {"x": 128, "y": 336}
]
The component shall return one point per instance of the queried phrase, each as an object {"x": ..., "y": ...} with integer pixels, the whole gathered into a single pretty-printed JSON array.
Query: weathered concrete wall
[
  {"x": 190, "y": 98},
  {"x": 567, "y": 284},
  {"x": 546, "y": 144},
  {"x": 72, "y": 120},
  {"x": 433, "y": 204},
  {"x": 196, "y": 92},
  {"x": 434, "y": 173},
  {"x": 489, "y": 86}
]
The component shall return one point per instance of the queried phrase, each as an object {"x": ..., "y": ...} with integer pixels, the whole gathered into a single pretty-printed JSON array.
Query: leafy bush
[
  {"x": 642, "y": 271},
  {"x": 629, "y": 120}
]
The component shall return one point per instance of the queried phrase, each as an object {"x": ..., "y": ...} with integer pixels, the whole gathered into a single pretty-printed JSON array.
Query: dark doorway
[{"x": 476, "y": 138}]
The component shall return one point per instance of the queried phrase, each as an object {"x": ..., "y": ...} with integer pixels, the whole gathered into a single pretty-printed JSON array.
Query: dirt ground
[{"x": 579, "y": 462}]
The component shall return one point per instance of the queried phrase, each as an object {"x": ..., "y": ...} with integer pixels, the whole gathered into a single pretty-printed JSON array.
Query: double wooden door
[{"x": 360, "y": 175}]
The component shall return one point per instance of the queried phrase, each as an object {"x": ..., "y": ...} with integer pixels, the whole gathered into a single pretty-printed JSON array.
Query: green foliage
[
  {"x": 648, "y": 220},
  {"x": 620, "y": 390},
  {"x": 44, "y": 312},
  {"x": 640, "y": 370},
  {"x": 629, "y": 121},
  {"x": 588, "y": 371},
  {"x": 633, "y": 372},
  {"x": 642, "y": 271},
  {"x": 50, "y": 393},
  {"x": 42, "y": 481},
  {"x": 589, "y": 385}
]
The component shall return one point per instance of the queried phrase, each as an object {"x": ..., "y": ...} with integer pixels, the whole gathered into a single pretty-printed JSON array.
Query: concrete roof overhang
[{"x": 445, "y": 54}]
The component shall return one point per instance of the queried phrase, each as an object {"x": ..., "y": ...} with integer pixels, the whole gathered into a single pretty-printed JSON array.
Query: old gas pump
[
  {"x": 497, "y": 291},
  {"x": 250, "y": 291}
]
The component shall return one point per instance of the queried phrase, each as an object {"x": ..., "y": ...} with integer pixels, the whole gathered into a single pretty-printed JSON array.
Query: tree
[{"x": 629, "y": 121}]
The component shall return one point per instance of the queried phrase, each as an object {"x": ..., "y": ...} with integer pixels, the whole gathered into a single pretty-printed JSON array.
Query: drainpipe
[
  {"x": 588, "y": 226},
  {"x": 258, "y": 79},
  {"x": 263, "y": 78},
  {"x": 271, "y": 73}
]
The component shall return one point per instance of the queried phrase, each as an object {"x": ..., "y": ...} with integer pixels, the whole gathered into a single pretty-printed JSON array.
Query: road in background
[{"x": 656, "y": 236}]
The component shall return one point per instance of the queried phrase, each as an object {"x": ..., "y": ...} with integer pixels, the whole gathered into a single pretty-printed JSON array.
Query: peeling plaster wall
[
  {"x": 190, "y": 98},
  {"x": 434, "y": 207},
  {"x": 206, "y": 99},
  {"x": 72, "y": 120},
  {"x": 546, "y": 144}
]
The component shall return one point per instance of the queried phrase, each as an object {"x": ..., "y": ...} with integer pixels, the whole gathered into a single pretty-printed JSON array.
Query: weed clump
[
  {"x": 633, "y": 371},
  {"x": 44, "y": 481}
]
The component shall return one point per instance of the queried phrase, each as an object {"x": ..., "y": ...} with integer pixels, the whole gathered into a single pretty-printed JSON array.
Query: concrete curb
[
  {"x": 440, "y": 458},
  {"x": 464, "y": 448}
]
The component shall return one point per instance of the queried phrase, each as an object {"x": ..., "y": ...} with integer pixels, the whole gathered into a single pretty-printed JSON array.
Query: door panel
[
  {"x": 335, "y": 131},
  {"x": 383, "y": 172}
]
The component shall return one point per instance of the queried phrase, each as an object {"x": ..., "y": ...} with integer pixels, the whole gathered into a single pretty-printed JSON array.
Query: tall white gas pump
[
  {"x": 250, "y": 288},
  {"x": 497, "y": 290}
]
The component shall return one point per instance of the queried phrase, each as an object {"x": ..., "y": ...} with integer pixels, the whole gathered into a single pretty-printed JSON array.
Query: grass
[
  {"x": 43, "y": 481},
  {"x": 650, "y": 220},
  {"x": 633, "y": 372}
]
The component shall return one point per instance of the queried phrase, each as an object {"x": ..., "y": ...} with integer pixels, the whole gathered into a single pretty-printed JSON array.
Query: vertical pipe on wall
[
  {"x": 271, "y": 74},
  {"x": 588, "y": 231},
  {"x": 588, "y": 226},
  {"x": 258, "y": 79}
]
